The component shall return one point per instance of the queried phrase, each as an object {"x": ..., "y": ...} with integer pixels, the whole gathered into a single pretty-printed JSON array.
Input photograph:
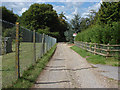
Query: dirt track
[{"x": 67, "y": 69}]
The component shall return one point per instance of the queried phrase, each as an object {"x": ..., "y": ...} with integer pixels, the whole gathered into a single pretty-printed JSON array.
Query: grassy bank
[
  {"x": 96, "y": 59},
  {"x": 30, "y": 75}
]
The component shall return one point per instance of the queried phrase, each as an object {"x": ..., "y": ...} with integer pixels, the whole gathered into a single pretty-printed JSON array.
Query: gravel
[{"x": 67, "y": 69}]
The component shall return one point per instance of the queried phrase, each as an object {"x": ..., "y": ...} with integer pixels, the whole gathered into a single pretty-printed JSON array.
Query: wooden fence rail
[{"x": 100, "y": 49}]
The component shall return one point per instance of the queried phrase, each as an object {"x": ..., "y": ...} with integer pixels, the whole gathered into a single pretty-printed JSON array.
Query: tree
[
  {"x": 73, "y": 27},
  {"x": 85, "y": 22},
  {"x": 69, "y": 33},
  {"x": 92, "y": 17},
  {"x": 38, "y": 16},
  {"x": 109, "y": 12},
  {"x": 8, "y": 15},
  {"x": 75, "y": 23},
  {"x": 44, "y": 19},
  {"x": 62, "y": 26},
  {"x": 104, "y": 25}
]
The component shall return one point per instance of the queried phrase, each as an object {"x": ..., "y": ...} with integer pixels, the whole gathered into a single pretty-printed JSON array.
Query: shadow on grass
[{"x": 30, "y": 80}]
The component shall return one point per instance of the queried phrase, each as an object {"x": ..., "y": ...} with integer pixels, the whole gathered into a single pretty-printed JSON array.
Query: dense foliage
[
  {"x": 109, "y": 12},
  {"x": 104, "y": 27},
  {"x": 73, "y": 27},
  {"x": 101, "y": 34},
  {"x": 8, "y": 30},
  {"x": 8, "y": 15},
  {"x": 69, "y": 34},
  {"x": 44, "y": 19}
]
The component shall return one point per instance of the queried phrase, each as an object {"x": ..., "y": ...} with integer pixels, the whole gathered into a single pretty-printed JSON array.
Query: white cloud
[
  {"x": 75, "y": 11},
  {"x": 94, "y": 7},
  {"x": 69, "y": 8},
  {"x": 23, "y": 10},
  {"x": 59, "y": 9},
  {"x": 50, "y": 0},
  {"x": 69, "y": 17}
]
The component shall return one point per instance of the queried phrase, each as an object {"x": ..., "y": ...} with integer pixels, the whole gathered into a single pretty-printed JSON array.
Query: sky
[{"x": 68, "y": 7}]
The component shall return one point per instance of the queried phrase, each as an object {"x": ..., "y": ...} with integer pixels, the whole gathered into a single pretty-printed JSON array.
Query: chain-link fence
[{"x": 25, "y": 48}]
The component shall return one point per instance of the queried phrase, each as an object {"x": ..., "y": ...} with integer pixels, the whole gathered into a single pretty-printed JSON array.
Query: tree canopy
[
  {"x": 44, "y": 19},
  {"x": 75, "y": 23},
  {"x": 8, "y": 15},
  {"x": 104, "y": 26},
  {"x": 109, "y": 12}
]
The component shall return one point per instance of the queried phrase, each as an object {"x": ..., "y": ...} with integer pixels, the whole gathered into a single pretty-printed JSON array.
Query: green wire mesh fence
[{"x": 25, "y": 50}]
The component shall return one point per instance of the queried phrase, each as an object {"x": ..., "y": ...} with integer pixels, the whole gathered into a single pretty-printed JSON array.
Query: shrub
[{"x": 109, "y": 33}]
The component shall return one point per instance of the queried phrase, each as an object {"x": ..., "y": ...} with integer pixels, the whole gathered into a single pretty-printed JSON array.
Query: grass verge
[
  {"x": 96, "y": 59},
  {"x": 30, "y": 75}
]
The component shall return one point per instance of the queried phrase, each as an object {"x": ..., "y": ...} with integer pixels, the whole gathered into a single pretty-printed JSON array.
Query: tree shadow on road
[
  {"x": 55, "y": 66},
  {"x": 58, "y": 59},
  {"x": 70, "y": 69},
  {"x": 51, "y": 82}
]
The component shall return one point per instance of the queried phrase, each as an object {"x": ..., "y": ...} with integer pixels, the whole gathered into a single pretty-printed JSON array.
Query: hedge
[{"x": 109, "y": 33}]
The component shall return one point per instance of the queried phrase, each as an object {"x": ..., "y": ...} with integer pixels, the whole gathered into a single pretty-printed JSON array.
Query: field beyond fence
[
  {"x": 27, "y": 47},
  {"x": 100, "y": 49}
]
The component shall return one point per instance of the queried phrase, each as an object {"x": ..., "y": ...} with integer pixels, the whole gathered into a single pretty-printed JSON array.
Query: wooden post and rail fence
[{"x": 100, "y": 49}]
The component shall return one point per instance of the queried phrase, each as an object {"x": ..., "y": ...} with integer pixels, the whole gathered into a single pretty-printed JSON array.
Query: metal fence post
[
  {"x": 43, "y": 46},
  {"x": 34, "y": 46},
  {"x": 17, "y": 51},
  {"x": 47, "y": 43}
]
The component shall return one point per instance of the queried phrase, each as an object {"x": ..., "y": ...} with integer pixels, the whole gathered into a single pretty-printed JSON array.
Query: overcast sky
[{"x": 69, "y": 7}]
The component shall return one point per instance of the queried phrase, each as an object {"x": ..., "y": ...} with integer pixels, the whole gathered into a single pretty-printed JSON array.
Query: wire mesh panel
[
  {"x": 25, "y": 49},
  {"x": 8, "y": 53},
  {"x": 21, "y": 48},
  {"x": 0, "y": 54},
  {"x": 45, "y": 43},
  {"x": 38, "y": 46}
]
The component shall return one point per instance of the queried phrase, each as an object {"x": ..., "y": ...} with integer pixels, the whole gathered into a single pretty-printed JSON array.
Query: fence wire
[
  {"x": 8, "y": 53},
  {"x": 29, "y": 52}
]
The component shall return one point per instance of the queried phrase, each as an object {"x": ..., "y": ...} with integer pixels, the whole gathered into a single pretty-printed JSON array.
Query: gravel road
[
  {"x": 67, "y": 69},
  {"x": 108, "y": 71}
]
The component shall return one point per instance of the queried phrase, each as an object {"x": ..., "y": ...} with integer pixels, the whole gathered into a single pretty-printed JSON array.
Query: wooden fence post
[
  {"x": 86, "y": 45},
  {"x": 108, "y": 49},
  {"x": 17, "y": 51},
  {"x": 34, "y": 46},
  {"x": 94, "y": 48}
]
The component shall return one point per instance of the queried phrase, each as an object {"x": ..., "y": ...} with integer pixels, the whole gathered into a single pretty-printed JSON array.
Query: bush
[
  {"x": 108, "y": 33},
  {"x": 10, "y": 32}
]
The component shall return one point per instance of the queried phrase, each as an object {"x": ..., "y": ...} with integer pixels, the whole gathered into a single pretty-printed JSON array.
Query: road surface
[{"x": 67, "y": 69}]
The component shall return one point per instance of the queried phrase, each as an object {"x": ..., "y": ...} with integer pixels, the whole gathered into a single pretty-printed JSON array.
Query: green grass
[
  {"x": 26, "y": 59},
  {"x": 30, "y": 75},
  {"x": 96, "y": 59}
]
